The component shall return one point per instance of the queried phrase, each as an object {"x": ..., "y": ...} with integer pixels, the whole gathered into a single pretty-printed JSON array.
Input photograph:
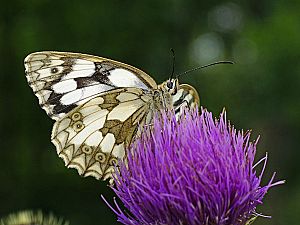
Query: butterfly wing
[
  {"x": 93, "y": 136},
  {"x": 62, "y": 80},
  {"x": 186, "y": 96}
]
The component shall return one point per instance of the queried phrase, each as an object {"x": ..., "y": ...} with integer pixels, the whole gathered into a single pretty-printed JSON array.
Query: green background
[{"x": 260, "y": 92}]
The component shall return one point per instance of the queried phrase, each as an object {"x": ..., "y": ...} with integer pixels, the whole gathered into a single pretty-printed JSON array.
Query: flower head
[
  {"x": 193, "y": 172},
  {"x": 30, "y": 217}
]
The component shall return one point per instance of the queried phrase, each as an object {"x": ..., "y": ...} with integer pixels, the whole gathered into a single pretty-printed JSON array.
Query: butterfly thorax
[{"x": 161, "y": 100}]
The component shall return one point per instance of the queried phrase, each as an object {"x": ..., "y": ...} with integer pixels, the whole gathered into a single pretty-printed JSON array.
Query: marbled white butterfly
[{"x": 98, "y": 105}]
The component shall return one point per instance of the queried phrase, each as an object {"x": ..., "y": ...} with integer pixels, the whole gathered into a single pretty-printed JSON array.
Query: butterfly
[{"x": 98, "y": 105}]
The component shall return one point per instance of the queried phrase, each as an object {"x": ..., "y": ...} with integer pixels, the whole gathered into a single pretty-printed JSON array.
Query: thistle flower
[
  {"x": 194, "y": 172},
  {"x": 31, "y": 218}
]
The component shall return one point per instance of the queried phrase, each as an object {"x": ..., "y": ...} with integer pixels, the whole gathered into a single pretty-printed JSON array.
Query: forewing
[
  {"x": 186, "y": 96},
  {"x": 93, "y": 136},
  {"x": 63, "y": 81}
]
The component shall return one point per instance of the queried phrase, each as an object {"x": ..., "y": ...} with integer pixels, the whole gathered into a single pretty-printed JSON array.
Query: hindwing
[
  {"x": 93, "y": 136},
  {"x": 63, "y": 81},
  {"x": 186, "y": 96}
]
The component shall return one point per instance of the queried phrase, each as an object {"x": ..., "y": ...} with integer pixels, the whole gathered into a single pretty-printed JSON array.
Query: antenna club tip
[
  {"x": 229, "y": 62},
  {"x": 208, "y": 65}
]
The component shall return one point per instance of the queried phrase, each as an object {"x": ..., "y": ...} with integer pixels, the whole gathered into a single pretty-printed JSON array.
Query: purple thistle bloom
[{"x": 198, "y": 171}]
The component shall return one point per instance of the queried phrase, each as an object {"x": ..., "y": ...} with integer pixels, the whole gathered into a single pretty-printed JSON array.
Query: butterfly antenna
[
  {"x": 173, "y": 66},
  {"x": 201, "y": 67}
]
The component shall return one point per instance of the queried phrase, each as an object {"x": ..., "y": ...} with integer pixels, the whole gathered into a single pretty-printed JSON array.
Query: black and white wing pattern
[
  {"x": 63, "y": 81},
  {"x": 99, "y": 105},
  {"x": 186, "y": 96},
  {"x": 93, "y": 136}
]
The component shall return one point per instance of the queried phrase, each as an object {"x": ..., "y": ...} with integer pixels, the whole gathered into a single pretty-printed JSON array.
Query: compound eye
[{"x": 169, "y": 84}]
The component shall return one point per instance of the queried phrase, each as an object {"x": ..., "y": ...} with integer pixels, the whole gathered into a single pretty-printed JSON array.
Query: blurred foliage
[{"x": 260, "y": 92}]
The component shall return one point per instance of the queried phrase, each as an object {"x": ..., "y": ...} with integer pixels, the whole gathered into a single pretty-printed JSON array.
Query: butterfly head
[{"x": 170, "y": 86}]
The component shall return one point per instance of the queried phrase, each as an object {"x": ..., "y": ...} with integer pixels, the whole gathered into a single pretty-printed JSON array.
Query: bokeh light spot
[{"x": 207, "y": 48}]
